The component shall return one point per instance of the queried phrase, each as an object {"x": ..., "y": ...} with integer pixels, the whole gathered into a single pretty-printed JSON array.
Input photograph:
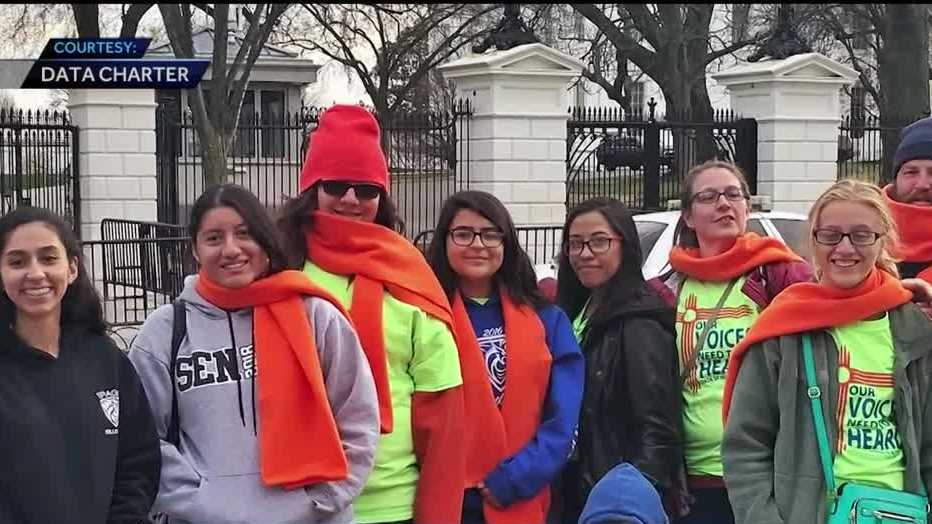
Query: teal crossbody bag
[{"x": 856, "y": 503}]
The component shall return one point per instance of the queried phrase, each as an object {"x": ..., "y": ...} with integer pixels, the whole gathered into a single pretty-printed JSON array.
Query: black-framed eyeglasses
[
  {"x": 710, "y": 196},
  {"x": 597, "y": 245},
  {"x": 336, "y": 188},
  {"x": 830, "y": 237},
  {"x": 465, "y": 236}
]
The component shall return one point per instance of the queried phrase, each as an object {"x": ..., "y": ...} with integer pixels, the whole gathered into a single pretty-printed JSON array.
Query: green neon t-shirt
[
  {"x": 868, "y": 449},
  {"x": 704, "y": 387},
  {"x": 579, "y": 323},
  {"x": 422, "y": 356}
]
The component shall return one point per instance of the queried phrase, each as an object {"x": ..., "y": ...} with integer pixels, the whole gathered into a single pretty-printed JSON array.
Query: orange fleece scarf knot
[
  {"x": 914, "y": 224},
  {"x": 494, "y": 435},
  {"x": 293, "y": 402},
  {"x": 749, "y": 251},
  {"x": 807, "y": 306},
  {"x": 380, "y": 260}
]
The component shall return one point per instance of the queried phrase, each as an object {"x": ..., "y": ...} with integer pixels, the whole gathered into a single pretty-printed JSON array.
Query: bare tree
[
  {"x": 392, "y": 48},
  {"x": 87, "y": 19},
  {"x": 216, "y": 117},
  {"x": 671, "y": 43},
  {"x": 874, "y": 39}
]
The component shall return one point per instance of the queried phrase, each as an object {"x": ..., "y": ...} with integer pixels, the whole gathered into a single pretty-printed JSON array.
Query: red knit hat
[{"x": 345, "y": 146}]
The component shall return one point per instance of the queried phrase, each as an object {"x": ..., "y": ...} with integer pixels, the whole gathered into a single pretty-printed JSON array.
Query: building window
[
  {"x": 858, "y": 98},
  {"x": 273, "y": 123},
  {"x": 244, "y": 143},
  {"x": 635, "y": 92}
]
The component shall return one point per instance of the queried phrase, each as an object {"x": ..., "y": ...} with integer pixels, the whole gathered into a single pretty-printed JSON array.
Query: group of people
[{"x": 443, "y": 387}]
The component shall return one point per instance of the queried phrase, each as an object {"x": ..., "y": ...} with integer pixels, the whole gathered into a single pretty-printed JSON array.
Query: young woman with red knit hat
[
  {"x": 831, "y": 387},
  {"x": 722, "y": 277},
  {"x": 341, "y": 230},
  {"x": 523, "y": 370}
]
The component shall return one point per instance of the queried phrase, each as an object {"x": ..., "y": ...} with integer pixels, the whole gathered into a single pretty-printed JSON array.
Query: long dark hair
[
  {"x": 516, "y": 274},
  {"x": 80, "y": 306},
  {"x": 626, "y": 284},
  {"x": 255, "y": 216},
  {"x": 294, "y": 218},
  {"x": 683, "y": 235}
]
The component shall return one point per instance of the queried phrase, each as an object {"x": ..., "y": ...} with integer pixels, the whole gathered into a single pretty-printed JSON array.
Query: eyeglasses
[
  {"x": 830, "y": 237},
  {"x": 597, "y": 245},
  {"x": 710, "y": 196},
  {"x": 337, "y": 189},
  {"x": 464, "y": 236}
]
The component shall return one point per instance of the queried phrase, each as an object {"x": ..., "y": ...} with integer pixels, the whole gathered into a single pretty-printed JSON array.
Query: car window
[
  {"x": 649, "y": 232},
  {"x": 794, "y": 234},
  {"x": 755, "y": 226}
]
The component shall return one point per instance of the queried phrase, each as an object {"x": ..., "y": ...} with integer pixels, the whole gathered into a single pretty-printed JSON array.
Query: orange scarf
[
  {"x": 749, "y": 251},
  {"x": 381, "y": 260},
  {"x": 293, "y": 401},
  {"x": 808, "y": 306},
  {"x": 915, "y": 227},
  {"x": 494, "y": 435}
]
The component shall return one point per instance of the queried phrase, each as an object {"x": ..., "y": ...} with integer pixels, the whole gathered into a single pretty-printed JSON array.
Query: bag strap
[
  {"x": 708, "y": 327},
  {"x": 818, "y": 418},
  {"x": 179, "y": 330}
]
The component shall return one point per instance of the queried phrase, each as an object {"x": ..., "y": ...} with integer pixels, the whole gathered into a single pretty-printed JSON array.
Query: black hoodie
[{"x": 77, "y": 439}]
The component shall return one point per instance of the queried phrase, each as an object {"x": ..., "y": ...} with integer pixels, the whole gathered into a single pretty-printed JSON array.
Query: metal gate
[
  {"x": 39, "y": 163},
  {"x": 643, "y": 161}
]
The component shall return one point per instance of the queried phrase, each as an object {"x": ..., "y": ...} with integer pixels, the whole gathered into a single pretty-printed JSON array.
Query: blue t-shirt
[{"x": 533, "y": 467}]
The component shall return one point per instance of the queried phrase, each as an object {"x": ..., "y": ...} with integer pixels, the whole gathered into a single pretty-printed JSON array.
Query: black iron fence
[
  {"x": 39, "y": 163},
  {"x": 427, "y": 153},
  {"x": 642, "y": 160},
  {"x": 137, "y": 267},
  {"x": 542, "y": 243},
  {"x": 866, "y": 146}
]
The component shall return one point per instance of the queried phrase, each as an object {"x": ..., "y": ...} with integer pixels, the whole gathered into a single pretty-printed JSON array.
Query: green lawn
[{"x": 625, "y": 186}]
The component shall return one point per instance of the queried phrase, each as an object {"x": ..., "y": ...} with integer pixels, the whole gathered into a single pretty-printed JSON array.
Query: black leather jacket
[{"x": 631, "y": 405}]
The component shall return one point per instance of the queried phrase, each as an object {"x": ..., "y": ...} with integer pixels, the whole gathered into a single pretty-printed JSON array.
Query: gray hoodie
[{"x": 212, "y": 477}]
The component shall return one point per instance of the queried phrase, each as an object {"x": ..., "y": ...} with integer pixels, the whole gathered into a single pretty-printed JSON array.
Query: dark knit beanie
[{"x": 915, "y": 142}]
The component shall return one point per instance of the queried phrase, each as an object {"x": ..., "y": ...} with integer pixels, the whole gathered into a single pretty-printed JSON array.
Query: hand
[
  {"x": 488, "y": 496},
  {"x": 922, "y": 293}
]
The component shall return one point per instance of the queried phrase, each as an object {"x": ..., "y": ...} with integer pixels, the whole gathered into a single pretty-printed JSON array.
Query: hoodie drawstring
[
  {"x": 239, "y": 390},
  {"x": 255, "y": 426}
]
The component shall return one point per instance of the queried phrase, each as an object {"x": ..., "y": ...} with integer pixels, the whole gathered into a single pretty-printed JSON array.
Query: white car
[{"x": 656, "y": 233}]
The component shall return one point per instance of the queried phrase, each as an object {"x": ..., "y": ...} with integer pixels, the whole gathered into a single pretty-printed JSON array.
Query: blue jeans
[
  {"x": 472, "y": 507},
  {"x": 711, "y": 507}
]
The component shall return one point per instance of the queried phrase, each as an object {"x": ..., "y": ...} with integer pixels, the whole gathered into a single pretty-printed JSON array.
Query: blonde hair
[
  {"x": 684, "y": 235},
  {"x": 855, "y": 191}
]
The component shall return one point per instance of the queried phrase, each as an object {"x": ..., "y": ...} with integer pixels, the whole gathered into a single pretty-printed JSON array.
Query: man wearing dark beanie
[{"x": 910, "y": 199}]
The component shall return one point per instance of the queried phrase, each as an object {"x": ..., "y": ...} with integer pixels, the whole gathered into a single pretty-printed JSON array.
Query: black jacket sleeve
[
  {"x": 652, "y": 385},
  {"x": 138, "y": 462}
]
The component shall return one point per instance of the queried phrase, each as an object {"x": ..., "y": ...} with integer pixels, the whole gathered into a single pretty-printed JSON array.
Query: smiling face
[
  {"x": 227, "y": 251},
  {"x": 36, "y": 271},
  {"x": 722, "y": 220},
  {"x": 845, "y": 265},
  {"x": 332, "y": 199},
  {"x": 476, "y": 262},
  {"x": 593, "y": 268},
  {"x": 913, "y": 182}
]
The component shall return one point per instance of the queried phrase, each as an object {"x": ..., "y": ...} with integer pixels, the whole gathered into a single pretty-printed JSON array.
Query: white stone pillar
[
  {"x": 517, "y": 141},
  {"x": 796, "y": 102},
  {"x": 116, "y": 138}
]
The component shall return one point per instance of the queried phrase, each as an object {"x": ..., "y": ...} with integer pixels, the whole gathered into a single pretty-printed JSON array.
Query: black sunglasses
[{"x": 338, "y": 189}]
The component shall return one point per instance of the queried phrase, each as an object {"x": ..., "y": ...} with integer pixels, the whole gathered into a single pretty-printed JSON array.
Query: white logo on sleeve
[{"x": 110, "y": 404}]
